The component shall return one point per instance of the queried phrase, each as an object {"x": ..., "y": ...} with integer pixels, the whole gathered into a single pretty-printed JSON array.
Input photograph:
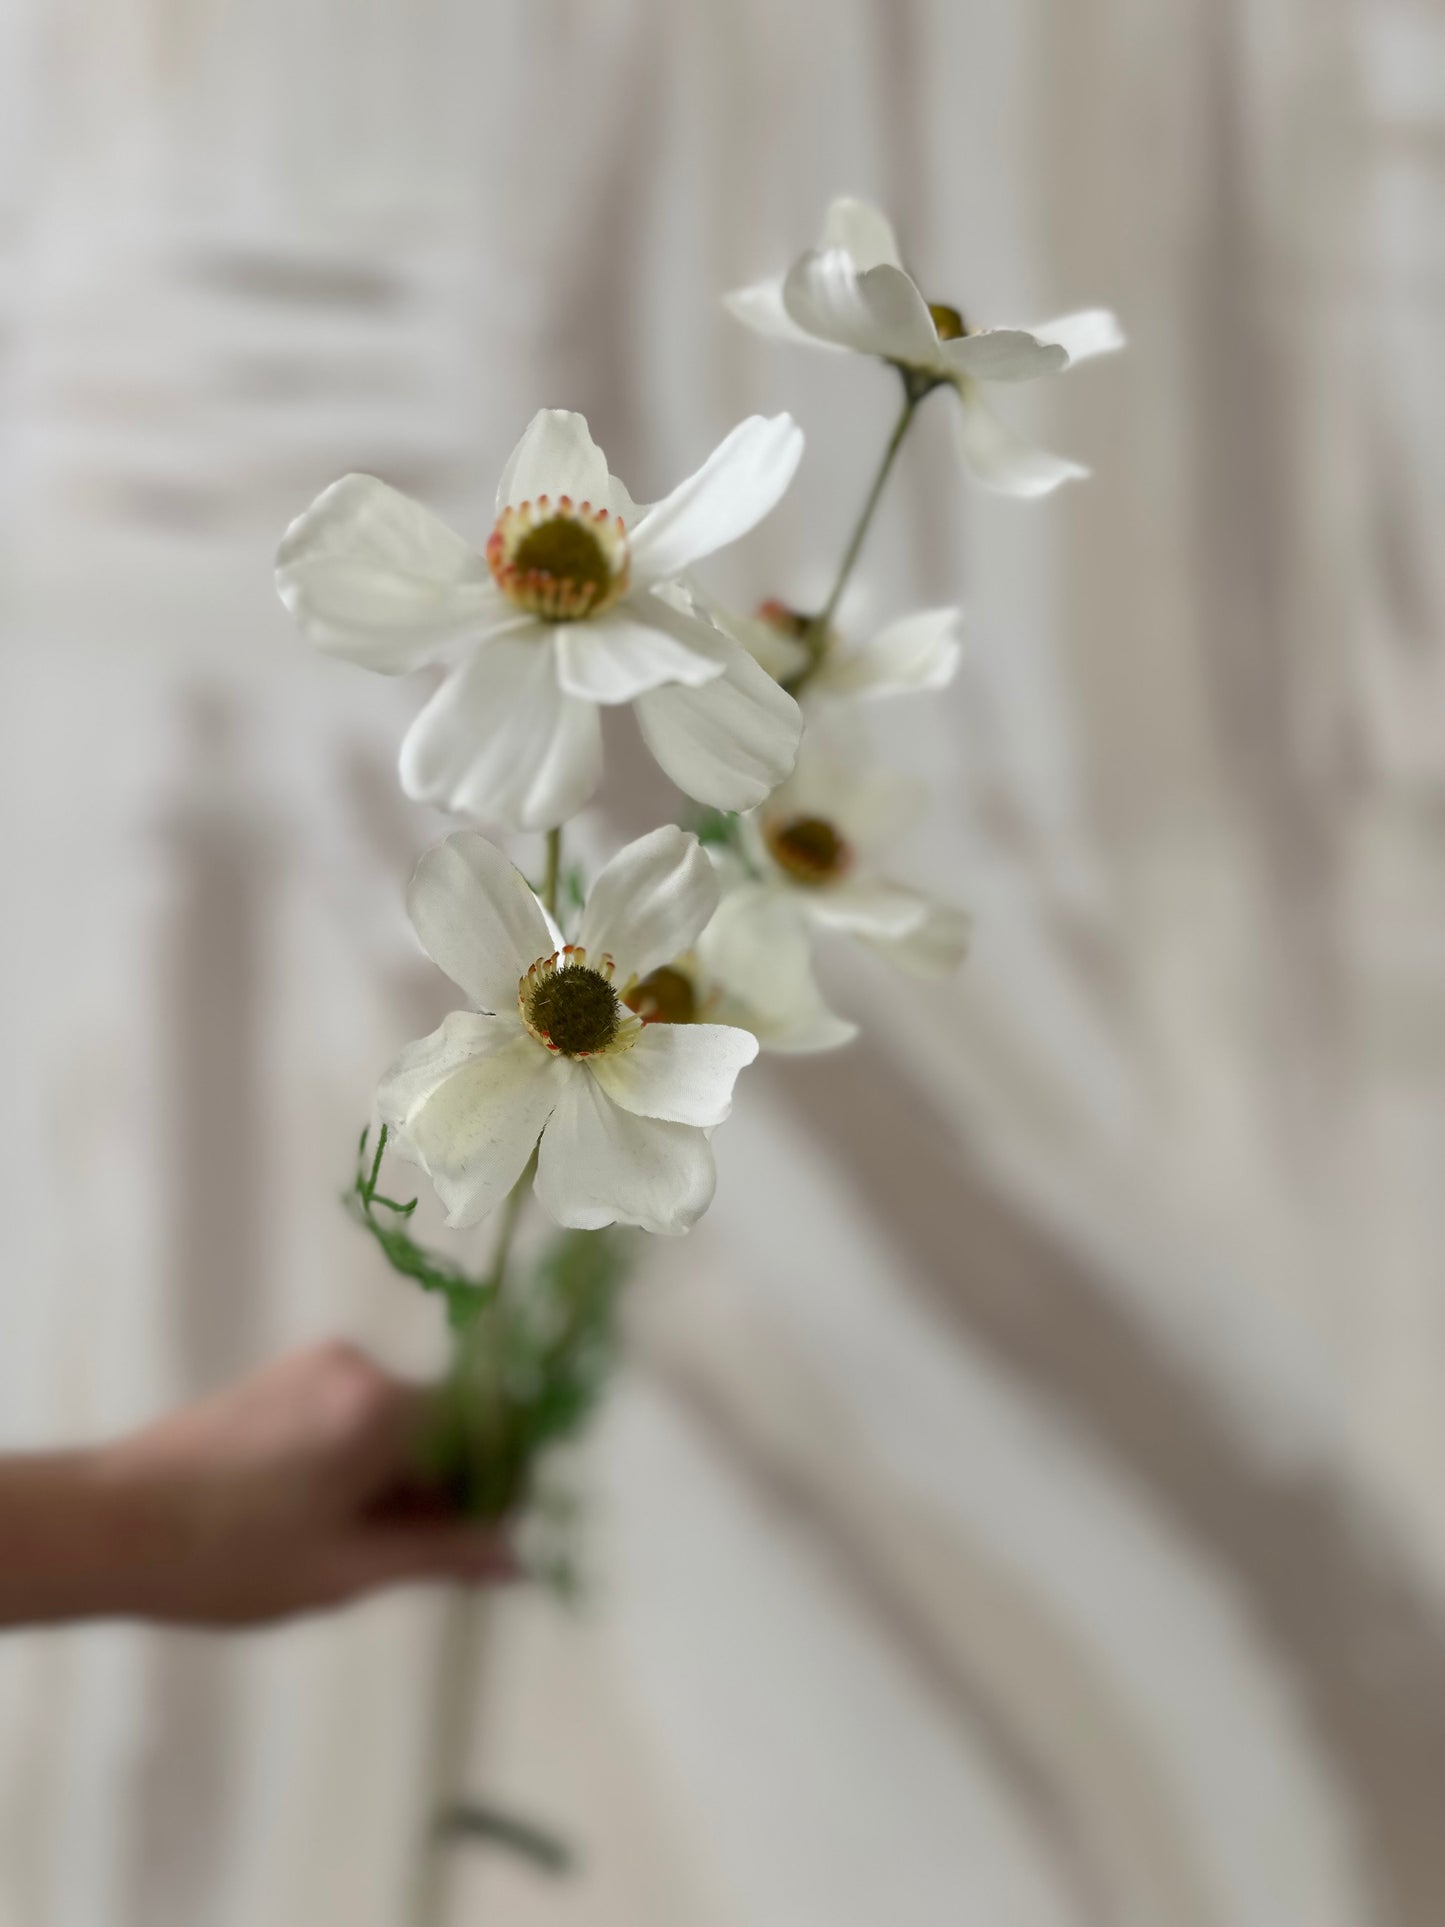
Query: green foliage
[
  {"x": 715, "y": 826},
  {"x": 464, "y": 1295}
]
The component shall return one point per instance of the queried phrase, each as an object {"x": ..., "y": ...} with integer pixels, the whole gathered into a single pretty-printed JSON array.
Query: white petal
[
  {"x": 477, "y": 918},
  {"x": 682, "y": 1072},
  {"x": 757, "y": 947},
  {"x": 649, "y": 903},
  {"x": 781, "y": 655},
  {"x": 600, "y": 1165},
  {"x": 863, "y": 233},
  {"x": 501, "y": 741},
  {"x": 556, "y": 456},
  {"x": 373, "y": 576},
  {"x": 760, "y": 307},
  {"x": 729, "y": 743},
  {"x": 868, "y": 906},
  {"x": 805, "y": 1031},
  {"x": 468, "y": 1103},
  {"x": 837, "y": 778},
  {"x": 918, "y": 651},
  {"x": 935, "y": 949},
  {"x": 642, "y": 645},
  {"x": 874, "y": 312},
  {"x": 1092, "y": 331},
  {"x": 998, "y": 459},
  {"x": 1004, "y": 354},
  {"x": 740, "y": 482}
]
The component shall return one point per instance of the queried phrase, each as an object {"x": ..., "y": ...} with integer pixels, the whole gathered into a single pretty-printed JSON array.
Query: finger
[{"x": 391, "y": 1555}]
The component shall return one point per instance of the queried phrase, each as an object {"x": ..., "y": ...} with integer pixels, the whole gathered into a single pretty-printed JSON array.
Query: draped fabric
[{"x": 1020, "y": 1503}]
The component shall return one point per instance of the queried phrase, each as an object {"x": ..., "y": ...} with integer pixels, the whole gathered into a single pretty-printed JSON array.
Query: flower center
[
  {"x": 948, "y": 321},
  {"x": 788, "y": 622},
  {"x": 570, "y": 1006},
  {"x": 809, "y": 849},
  {"x": 563, "y": 560},
  {"x": 664, "y": 996}
]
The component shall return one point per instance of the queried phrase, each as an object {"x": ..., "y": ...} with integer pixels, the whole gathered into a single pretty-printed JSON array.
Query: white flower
[
  {"x": 623, "y": 1109},
  {"x": 788, "y": 1015},
  {"x": 852, "y": 292},
  {"x": 912, "y": 653},
  {"x": 560, "y": 615},
  {"x": 808, "y": 868}
]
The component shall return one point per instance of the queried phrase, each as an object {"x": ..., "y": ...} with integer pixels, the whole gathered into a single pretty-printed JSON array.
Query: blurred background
[{"x": 1021, "y": 1506}]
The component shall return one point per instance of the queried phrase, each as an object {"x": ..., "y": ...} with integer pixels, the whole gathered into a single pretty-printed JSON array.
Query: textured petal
[
  {"x": 1004, "y": 354},
  {"x": 997, "y": 458},
  {"x": 556, "y": 456},
  {"x": 1092, "y": 331},
  {"x": 477, "y": 918},
  {"x": 682, "y": 1072},
  {"x": 600, "y": 1165},
  {"x": 875, "y": 312},
  {"x": 935, "y": 949},
  {"x": 729, "y": 743},
  {"x": 650, "y": 902},
  {"x": 869, "y": 907},
  {"x": 862, "y": 232},
  {"x": 918, "y": 651},
  {"x": 373, "y": 576},
  {"x": 740, "y": 482},
  {"x": 760, "y": 307},
  {"x": 642, "y": 645},
  {"x": 500, "y": 740},
  {"x": 468, "y": 1103}
]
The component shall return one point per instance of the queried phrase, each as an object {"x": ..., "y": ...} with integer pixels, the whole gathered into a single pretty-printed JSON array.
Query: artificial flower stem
[{"x": 818, "y": 627}]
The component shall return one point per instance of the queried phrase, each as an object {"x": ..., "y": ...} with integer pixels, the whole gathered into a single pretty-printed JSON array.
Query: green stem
[
  {"x": 554, "y": 870},
  {"x": 818, "y": 628},
  {"x": 511, "y": 1212}
]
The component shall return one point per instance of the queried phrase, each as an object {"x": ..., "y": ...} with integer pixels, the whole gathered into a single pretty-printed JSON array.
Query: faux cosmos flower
[
  {"x": 852, "y": 292},
  {"x": 912, "y": 653},
  {"x": 788, "y": 1014},
  {"x": 622, "y": 1108},
  {"x": 567, "y": 609},
  {"x": 806, "y": 866}
]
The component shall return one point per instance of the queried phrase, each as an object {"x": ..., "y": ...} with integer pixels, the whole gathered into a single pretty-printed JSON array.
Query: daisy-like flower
[
  {"x": 808, "y": 867},
  {"x": 568, "y": 607},
  {"x": 623, "y": 1109},
  {"x": 912, "y": 653},
  {"x": 789, "y": 1016},
  {"x": 852, "y": 292}
]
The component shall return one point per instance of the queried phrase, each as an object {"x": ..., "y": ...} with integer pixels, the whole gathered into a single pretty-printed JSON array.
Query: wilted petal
[
  {"x": 556, "y": 456},
  {"x": 501, "y": 740},
  {"x": 729, "y": 743},
  {"x": 477, "y": 919},
  {"x": 468, "y": 1103},
  {"x": 998, "y": 459},
  {"x": 918, "y": 651},
  {"x": 600, "y": 1165},
  {"x": 874, "y": 312},
  {"x": 371, "y": 575},
  {"x": 1004, "y": 354},
  {"x": 642, "y": 645},
  {"x": 682, "y": 1072},
  {"x": 649, "y": 903},
  {"x": 1092, "y": 331},
  {"x": 740, "y": 482}
]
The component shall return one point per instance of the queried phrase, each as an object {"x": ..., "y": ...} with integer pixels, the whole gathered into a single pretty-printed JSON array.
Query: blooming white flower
[
  {"x": 623, "y": 1109},
  {"x": 560, "y": 614},
  {"x": 912, "y": 653},
  {"x": 851, "y": 292},
  {"x": 788, "y": 1014},
  {"x": 808, "y": 867}
]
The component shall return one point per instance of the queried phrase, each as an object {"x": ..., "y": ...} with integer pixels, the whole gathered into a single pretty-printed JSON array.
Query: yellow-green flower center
[
  {"x": 809, "y": 849},
  {"x": 561, "y": 560},
  {"x": 664, "y": 996},
  {"x": 948, "y": 321},
  {"x": 573, "y": 1010}
]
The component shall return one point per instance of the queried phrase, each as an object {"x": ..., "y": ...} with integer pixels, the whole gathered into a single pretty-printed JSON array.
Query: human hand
[{"x": 294, "y": 1490}]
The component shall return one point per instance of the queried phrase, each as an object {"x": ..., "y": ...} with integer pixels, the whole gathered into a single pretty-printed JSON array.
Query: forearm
[{"x": 77, "y": 1540}]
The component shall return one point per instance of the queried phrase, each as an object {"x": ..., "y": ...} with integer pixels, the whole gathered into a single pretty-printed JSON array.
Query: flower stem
[
  {"x": 554, "y": 870},
  {"x": 818, "y": 628}
]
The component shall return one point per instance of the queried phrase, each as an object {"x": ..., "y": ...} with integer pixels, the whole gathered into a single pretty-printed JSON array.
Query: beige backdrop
[{"x": 1022, "y": 1506}]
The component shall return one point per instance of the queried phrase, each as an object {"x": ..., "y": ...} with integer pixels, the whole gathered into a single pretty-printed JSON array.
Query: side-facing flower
[
  {"x": 788, "y": 1013},
  {"x": 622, "y": 1109},
  {"x": 810, "y": 857},
  {"x": 566, "y": 609},
  {"x": 913, "y": 653},
  {"x": 852, "y": 292}
]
